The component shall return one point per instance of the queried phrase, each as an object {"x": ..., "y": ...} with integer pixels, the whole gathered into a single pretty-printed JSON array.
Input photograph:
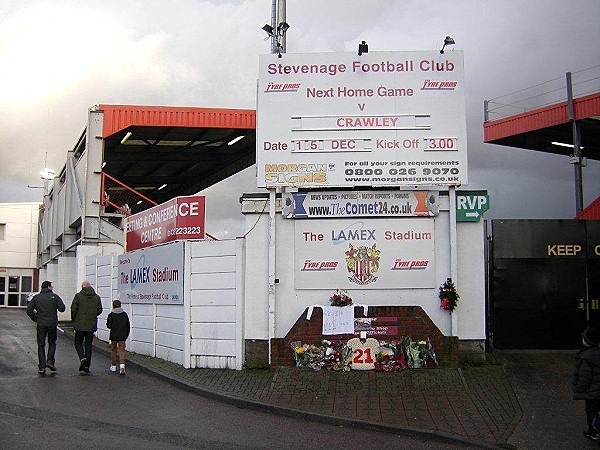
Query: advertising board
[
  {"x": 152, "y": 275},
  {"x": 364, "y": 253},
  {"x": 323, "y": 204},
  {"x": 180, "y": 218},
  {"x": 379, "y": 119}
]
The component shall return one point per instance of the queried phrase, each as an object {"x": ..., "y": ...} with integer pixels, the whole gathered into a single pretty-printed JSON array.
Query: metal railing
[
  {"x": 118, "y": 198},
  {"x": 584, "y": 82}
]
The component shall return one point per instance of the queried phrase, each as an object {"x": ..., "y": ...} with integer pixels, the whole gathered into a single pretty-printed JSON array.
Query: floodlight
[
  {"x": 269, "y": 29},
  {"x": 47, "y": 174},
  {"x": 363, "y": 48},
  {"x": 282, "y": 27},
  {"x": 447, "y": 41}
]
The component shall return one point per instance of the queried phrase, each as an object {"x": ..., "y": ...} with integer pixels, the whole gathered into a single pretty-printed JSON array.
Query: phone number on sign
[
  {"x": 402, "y": 171},
  {"x": 183, "y": 231}
]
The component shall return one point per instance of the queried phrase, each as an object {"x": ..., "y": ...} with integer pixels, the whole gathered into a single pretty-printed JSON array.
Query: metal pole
[
  {"x": 274, "y": 26},
  {"x": 453, "y": 255},
  {"x": 486, "y": 116},
  {"x": 280, "y": 19},
  {"x": 272, "y": 253},
  {"x": 272, "y": 267},
  {"x": 576, "y": 147}
]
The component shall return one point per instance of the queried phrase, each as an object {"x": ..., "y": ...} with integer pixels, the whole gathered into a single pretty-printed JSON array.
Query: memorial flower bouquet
[
  {"x": 337, "y": 356},
  {"x": 391, "y": 357},
  {"x": 340, "y": 298},
  {"x": 329, "y": 355},
  {"x": 448, "y": 296},
  {"x": 417, "y": 352},
  {"x": 307, "y": 355}
]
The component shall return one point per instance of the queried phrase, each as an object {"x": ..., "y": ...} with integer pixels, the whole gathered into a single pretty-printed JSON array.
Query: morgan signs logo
[{"x": 362, "y": 262}]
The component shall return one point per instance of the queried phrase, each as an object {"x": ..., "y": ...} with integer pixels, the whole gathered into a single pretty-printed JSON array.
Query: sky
[{"x": 59, "y": 58}]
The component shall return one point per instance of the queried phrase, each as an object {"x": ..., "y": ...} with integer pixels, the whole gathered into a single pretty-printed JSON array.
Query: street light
[
  {"x": 47, "y": 174},
  {"x": 277, "y": 36},
  {"x": 447, "y": 41}
]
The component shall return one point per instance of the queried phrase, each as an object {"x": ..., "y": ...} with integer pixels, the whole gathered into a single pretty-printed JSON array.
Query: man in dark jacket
[
  {"x": 586, "y": 380},
  {"x": 42, "y": 309},
  {"x": 85, "y": 309}
]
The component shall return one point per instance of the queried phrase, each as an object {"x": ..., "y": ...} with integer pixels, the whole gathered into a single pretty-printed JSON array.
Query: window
[
  {"x": 13, "y": 284},
  {"x": 15, "y": 290},
  {"x": 13, "y": 300},
  {"x": 26, "y": 284},
  {"x": 2, "y": 231}
]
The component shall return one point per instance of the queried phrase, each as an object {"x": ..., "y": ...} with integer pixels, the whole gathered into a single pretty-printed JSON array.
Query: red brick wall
[{"x": 412, "y": 321}]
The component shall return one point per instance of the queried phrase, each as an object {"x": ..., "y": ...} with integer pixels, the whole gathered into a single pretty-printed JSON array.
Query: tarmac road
[{"x": 67, "y": 410}]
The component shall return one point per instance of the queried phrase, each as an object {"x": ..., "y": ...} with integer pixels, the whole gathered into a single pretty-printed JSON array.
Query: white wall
[
  {"x": 471, "y": 242},
  {"x": 18, "y": 249},
  {"x": 290, "y": 303},
  {"x": 256, "y": 285}
]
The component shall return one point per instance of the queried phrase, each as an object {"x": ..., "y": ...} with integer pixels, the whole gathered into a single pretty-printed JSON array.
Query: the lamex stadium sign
[
  {"x": 381, "y": 119},
  {"x": 179, "y": 218}
]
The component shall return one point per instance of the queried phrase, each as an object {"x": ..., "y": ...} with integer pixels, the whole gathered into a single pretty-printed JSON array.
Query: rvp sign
[{"x": 470, "y": 206}]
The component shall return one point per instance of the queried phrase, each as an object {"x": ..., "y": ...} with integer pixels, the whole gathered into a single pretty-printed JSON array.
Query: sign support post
[
  {"x": 272, "y": 253},
  {"x": 453, "y": 254}
]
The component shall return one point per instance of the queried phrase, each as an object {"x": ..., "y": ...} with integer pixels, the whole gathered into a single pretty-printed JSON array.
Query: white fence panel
[
  {"x": 216, "y": 304},
  {"x": 207, "y": 330},
  {"x": 212, "y": 297},
  {"x": 213, "y": 331}
]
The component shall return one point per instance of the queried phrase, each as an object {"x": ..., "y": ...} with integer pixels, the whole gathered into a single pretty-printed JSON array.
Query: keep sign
[{"x": 470, "y": 206}]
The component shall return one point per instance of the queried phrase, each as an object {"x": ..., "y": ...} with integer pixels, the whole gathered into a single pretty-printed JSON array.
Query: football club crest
[{"x": 363, "y": 263}]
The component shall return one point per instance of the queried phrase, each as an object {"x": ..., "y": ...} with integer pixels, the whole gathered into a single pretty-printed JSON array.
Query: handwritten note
[{"x": 338, "y": 320}]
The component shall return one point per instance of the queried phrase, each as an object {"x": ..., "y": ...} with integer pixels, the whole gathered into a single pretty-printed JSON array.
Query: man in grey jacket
[
  {"x": 85, "y": 309},
  {"x": 42, "y": 309}
]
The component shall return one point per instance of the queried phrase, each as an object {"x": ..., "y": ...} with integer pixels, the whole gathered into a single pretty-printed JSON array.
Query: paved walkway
[{"x": 520, "y": 400}]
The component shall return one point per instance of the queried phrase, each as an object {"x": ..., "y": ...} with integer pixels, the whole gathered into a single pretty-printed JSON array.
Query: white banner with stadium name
[
  {"x": 152, "y": 275},
  {"x": 364, "y": 253}
]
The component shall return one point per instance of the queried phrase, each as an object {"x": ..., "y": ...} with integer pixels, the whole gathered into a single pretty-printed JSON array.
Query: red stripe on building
[
  {"x": 592, "y": 212},
  {"x": 537, "y": 119},
  {"x": 119, "y": 117}
]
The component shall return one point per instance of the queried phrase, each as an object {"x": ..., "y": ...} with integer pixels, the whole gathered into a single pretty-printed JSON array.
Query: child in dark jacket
[
  {"x": 586, "y": 380},
  {"x": 118, "y": 324}
]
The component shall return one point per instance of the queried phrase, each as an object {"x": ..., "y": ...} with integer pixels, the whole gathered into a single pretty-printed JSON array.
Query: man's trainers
[
  {"x": 122, "y": 369},
  {"x": 82, "y": 365},
  {"x": 51, "y": 366},
  {"x": 42, "y": 371},
  {"x": 113, "y": 368},
  {"x": 591, "y": 435}
]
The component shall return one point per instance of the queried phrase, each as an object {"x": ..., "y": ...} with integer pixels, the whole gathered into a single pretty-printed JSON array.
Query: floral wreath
[
  {"x": 340, "y": 298},
  {"x": 448, "y": 296}
]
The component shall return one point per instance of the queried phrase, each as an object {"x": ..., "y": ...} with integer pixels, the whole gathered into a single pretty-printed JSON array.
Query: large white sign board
[
  {"x": 364, "y": 254},
  {"x": 380, "y": 119}
]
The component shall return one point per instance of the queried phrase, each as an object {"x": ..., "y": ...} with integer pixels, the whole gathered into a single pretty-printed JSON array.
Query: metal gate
[{"x": 544, "y": 282}]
